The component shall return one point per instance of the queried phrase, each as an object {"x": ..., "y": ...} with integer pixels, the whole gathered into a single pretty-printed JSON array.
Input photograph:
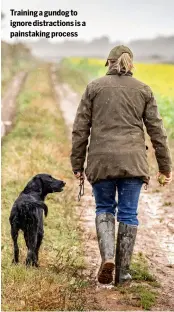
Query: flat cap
[{"x": 117, "y": 51}]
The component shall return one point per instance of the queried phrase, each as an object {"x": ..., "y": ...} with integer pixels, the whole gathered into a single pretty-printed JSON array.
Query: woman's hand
[
  {"x": 79, "y": 175},
  {"x": 164, "y": 178}
]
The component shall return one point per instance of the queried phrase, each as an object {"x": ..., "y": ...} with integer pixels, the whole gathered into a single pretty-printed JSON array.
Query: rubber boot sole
[{"x": 105, "y": 274}]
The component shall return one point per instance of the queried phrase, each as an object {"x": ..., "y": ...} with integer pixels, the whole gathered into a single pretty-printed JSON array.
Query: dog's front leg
[{"x": 39, "y": 241}]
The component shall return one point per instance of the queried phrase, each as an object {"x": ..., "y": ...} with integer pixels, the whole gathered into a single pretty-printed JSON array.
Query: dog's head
[{"x": 45, "y": 184}]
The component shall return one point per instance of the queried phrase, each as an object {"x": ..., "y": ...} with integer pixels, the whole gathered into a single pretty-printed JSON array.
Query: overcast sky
[{"x": 120, "y": 20}]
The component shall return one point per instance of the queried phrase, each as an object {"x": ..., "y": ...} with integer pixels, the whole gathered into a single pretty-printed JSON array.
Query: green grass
[
  {"x": 38, "y": 143},
  {"x": 139, "y": 295},
  {"x": 166, "y": 107},
  {"x": 147, "y": 297},
  {"x": 146, "y": 294},
  {"x": 76, "y": 78},
  {"x": 143, "y": 291},
  {"x": 140, "y": 270}
]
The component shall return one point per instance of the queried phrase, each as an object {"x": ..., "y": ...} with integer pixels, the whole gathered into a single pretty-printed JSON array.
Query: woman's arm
[
  {"x": 157, "y": 133},
  {"x": 81, "y": 132}
]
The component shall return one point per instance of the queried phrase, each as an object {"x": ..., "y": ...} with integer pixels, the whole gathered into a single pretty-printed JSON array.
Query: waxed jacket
[{"x": 112, "y": 112}]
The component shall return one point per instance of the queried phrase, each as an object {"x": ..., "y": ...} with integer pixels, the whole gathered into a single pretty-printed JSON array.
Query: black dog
[{"x": 27, "y": 214}]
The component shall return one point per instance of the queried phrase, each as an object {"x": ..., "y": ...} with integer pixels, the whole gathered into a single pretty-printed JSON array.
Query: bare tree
[{"x": 2, "y": 15}]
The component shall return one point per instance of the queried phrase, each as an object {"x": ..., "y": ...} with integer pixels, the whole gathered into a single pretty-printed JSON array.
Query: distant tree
[
  {"x": 2, "y": 18},
  {"x": 2, "y": 15},
  {"x": 156, "y": 56}
]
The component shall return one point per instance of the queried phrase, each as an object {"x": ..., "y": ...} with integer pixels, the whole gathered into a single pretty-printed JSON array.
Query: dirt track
[
  {"x": 8, "y": 102},
  {"x": 155, "y": 235}
]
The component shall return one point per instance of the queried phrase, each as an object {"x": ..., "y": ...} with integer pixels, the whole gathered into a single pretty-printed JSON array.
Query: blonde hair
[{"x": 124, "y": 62}]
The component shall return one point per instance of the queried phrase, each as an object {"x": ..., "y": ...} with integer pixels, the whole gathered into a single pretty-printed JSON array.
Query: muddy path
[
  {"x": 8, "y": 102},
  {"x": 155, "y": 237}
]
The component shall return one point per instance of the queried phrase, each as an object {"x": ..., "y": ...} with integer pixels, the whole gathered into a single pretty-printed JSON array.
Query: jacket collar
[{"x": 113, "y": 71}]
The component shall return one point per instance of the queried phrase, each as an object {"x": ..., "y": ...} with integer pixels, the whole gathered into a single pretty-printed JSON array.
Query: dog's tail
[{"x": 44, "y": 207}]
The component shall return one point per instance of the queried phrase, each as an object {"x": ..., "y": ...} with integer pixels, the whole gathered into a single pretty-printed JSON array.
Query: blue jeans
[{"x": 128, "y": 195}]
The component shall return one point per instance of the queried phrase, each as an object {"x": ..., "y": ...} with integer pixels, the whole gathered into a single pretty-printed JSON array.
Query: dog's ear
[
  {"x": 35, "y": 185},
  {"x": 39, "y": 183}
]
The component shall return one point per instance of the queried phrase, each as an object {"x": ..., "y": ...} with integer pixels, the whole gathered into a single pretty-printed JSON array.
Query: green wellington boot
[
  {"x": 105, "y": 227},
  {"x": 125, "y": 244}
]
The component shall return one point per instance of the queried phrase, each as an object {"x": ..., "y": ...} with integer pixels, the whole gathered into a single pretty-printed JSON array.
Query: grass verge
[
  {"x": 143, "y": 291},
  {"x": 76, "y": 78},
  {"x": 38, "y": 143}
]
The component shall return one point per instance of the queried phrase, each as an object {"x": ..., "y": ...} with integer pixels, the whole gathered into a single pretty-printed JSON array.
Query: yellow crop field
[{"x": 160, "y": 77}]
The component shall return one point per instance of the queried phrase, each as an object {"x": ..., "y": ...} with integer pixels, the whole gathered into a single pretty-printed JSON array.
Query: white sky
[{"x": 119, "y": 20}]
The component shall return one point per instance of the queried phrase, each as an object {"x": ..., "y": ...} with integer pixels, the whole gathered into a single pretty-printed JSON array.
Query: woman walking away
[{"x": 112, "y": 112}]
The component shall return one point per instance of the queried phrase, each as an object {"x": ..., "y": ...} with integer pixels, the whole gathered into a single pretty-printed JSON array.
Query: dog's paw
[
  {"x": 15, "y": 262},
  {"x": 28, "y": 262}
]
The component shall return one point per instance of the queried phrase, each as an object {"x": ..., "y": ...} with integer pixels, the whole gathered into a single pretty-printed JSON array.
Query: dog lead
[{"x": 82, "y": 188}]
